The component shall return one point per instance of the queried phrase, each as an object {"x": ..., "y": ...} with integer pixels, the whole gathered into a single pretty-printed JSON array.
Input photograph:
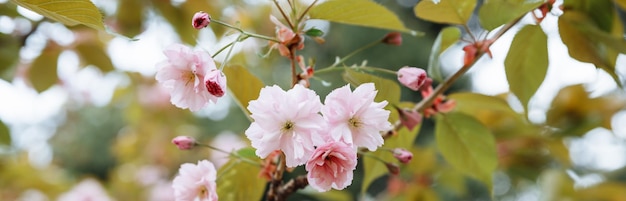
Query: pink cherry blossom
[
  {"x": 331, "y": 166},
  {"x": 215, "y": 82},
  {"x": 286, "y": 37},
  {"x": 195, "y": 182},
  {"x": 288, "y": 121},
  {"x": 183, "y": 74},
  {"x": 412, "y": 77},
  {"x": 88, "y": 189},
  {"x": 184, "y": 142},
  {"x": 355, "y": 118}
]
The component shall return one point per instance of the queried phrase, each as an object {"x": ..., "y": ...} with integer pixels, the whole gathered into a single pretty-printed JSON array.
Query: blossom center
[
  {"x": 288, "y": 126},
  {"x": 204, "y": 193},
  {"x": 189, "y": 77},
  {"x": 354, "y": 122}
]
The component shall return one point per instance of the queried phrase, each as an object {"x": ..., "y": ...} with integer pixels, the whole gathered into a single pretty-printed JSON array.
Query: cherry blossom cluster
[
  {"x": 191, "y": 77},
  {"x": 325, "y": 137}
]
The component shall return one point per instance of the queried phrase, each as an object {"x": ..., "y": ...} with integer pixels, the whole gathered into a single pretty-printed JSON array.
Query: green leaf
[
  {"x": 586, "y": 42},
  {"x": 590, "y": 8},
  {"x": 526, "y": 63},
  {"x": 238, "y": 180},
  {"x": 43, "y": 70},
  {"x": 467, "y": 145},
  {"x": 359, "y": 12},
  {"x": 93, "y": 53},
  {"x": 9, "y": 55},
  {"x": 313, "y": 32},
  {"x": 5, "y": 134},
  {"x": 387, "y": 89},
  {"x": 70, "y": 13},
  {"x": 129, "y": 17},
  {"x": 243, "y": 85},
  {"x": 446, "y": 11},
  {"x": 494, "y": 13},
  {"x": 373, "y": 168},
  {"x": 446, "y": 38}
]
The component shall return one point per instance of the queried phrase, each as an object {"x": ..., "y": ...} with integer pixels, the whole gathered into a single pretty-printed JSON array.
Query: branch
[{"x": 292, "y": 186}]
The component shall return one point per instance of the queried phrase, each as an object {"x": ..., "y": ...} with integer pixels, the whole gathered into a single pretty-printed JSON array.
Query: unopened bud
[
  {"x": 409, "y": 118},
  {"x": 215, "y": 83},
  {"x": 393, "y": 38},
  {"x": 393, "y": 168},
  {"x": 200, "y": 20},
  {"x": 412, "y": 77},
  {"x": 184, "y": 142},
  {"x": 403, "y": 155}
]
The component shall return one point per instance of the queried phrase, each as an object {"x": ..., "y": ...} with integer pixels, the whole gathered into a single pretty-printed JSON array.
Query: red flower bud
[
  {"x": 200, "y": 20},
  {"x": 393, "y": 168},
  {"x": 393, "y": 38},
  {"x": 412, "y": 77}
]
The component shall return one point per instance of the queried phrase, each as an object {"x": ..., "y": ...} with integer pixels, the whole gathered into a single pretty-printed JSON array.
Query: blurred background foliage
[{"x": 123, "y": 141}]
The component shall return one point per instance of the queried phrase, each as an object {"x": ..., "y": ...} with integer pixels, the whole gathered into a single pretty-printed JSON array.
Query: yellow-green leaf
[
  {"x": 92, "y": 53},
  {"x": 9, "y": 55},
  {"x": 587, "y": 42},
  {"x": 526, "y": 63},
  {"x": 43, "y": 70},
  {"x": 445, "y": 11},
  {"x": 5, "y": 134},
  {"x": 387, "y": 90},
  {"x": 243, "y": 85},
  {"x": 467, "y": 145},
  {"x": 446, "y": 38},
  {"x": 67, "y": 12},
  {"x": 621, "y": 3},
  {"x": 494, "y": 13},
  {"x": 238, "y": 180},
  {"x": 358, "y": 12},
  {"x": 129, "y": 17}
]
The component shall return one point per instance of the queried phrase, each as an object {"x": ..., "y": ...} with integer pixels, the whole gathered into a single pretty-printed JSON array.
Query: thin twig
[{"x": 285, "y": 16}]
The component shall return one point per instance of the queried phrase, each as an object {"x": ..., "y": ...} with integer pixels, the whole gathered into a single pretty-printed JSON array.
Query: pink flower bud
[
  {"x": 215, "y": 82},
  {"x": 393, "y": 168},
  {"x": 403, "y": 155},
  {"x": 412, "y": 77},
  {"x": 409, "y": 118},
  {"x": 393, "y": 38},
  {"x": 200, "y": 20},
  {"x": 184, "y": 142}
]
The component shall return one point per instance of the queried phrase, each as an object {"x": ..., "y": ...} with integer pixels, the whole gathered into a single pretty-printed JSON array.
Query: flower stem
[
  {"x": 231, "y": 154},
  {"x": 372, "y": 44},
  {"x": 285, "y": 16},
  {"x": 306, "y": 11},
  {"x": 232, "y": 46},
  {"x": 223, "y": 48},
  {"x": 245, "y": 32},
  {"x": 381, "y": 70}
]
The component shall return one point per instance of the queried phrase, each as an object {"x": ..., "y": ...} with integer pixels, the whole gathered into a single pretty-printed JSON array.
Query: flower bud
[
  {"x": 200, "y": 20},
  {"x": 393, "y": 38},
  {"x": 215, "y": 82},
  {"x": 412, "y": 77},
  {"x": 393, "y": 168},
  {"x": 184, "y": 142},
  {"x": 409, "y": 118},
  {"x": 403, "y": 155}
]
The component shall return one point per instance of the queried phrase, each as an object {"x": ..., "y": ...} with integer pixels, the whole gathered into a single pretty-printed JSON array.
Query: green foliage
[
  {"x": 446, "y": 38},
  {"x": 238, "y": 180},
  {"x": 387, "y": 90},
  {"x": 494, "y": 13},
  {"x": 467, "y": 145},
  {"x": 621, "y": 3},
  {"x": 526, "y": 75},
  {"x": 43, "y": 70},
  {"x": 446, "y": 11},
  {"x": 93, "y": 53},
  {"x": 314, "y": 32},
  {"x": 575, "y": 113},
  {"x": 9, "y": 55},
  {"x": 70, "y": 13},
  {"x": 358, "y": 12},
  {"x": 243, "y": 85},
  {"x": 373, "y": 168},
  {"x": 5, "y": 134},
  {"x": 130, "y": 17},
  {"x": 591, "y": 36}
]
